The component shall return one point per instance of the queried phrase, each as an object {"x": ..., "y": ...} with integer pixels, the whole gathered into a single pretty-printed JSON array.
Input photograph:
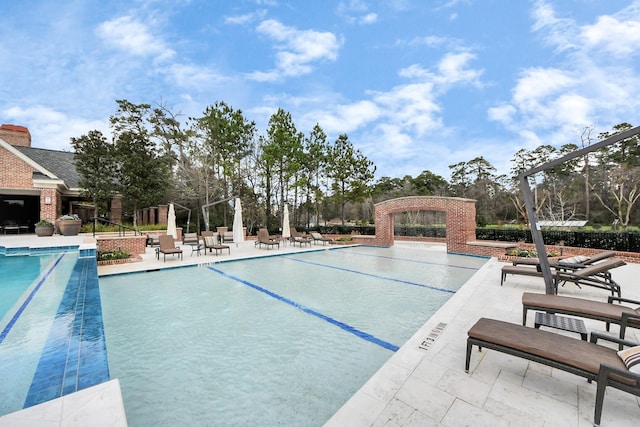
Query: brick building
[{"x": 35, "y": 183}]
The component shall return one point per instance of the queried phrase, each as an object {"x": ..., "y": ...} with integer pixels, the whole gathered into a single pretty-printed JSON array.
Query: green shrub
[{"x": 111, "y": 255}]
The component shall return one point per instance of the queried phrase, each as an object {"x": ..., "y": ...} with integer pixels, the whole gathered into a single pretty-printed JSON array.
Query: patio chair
[
  {"x": 211, "y": 243},
  {"x": 317, "y": 237},
  {"x": 153, "y": 240},
  {"x": 597, "y": 275},
  {"x": 297, "y": 237},
  {"x": 607, "y": 312},
  {"x": 582, "y": 358},
  {"x": 190, "y": 239},
  {"x": 227, "y": 237},
  {"x": 265, "y": 239},
  {"x": 167, "y": 246}
]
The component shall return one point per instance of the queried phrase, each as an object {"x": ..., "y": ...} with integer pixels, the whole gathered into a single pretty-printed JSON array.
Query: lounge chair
[
  {"x": 604, "y": 311},
  {"x": 211, "y": 243},
  {"x": 167, "y": 246},
  {"x": 317, "y": 237},
  {"x": 227, "y": 237},
  {"x": 190, "y": 239},
  {"x": 153, "y": 240},
  {"x": 586, "y": 359},
  {"x": 597, "y": 275},
  {"x": 297, "y": 237},
  {"x": 265, "y": 239},
  {"x": 575, "y": 262}
]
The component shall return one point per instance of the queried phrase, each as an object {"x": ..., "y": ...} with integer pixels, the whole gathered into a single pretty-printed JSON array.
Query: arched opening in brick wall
[{"x": 460, "y": 218}]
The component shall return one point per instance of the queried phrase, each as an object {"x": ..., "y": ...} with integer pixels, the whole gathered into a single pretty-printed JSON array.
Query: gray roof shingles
[{"x": 60, "y": 163}]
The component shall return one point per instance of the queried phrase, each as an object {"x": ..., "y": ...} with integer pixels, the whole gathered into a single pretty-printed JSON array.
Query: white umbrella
[
  {"x": 238, "y": 233},
  {"x": 171, "y": 222},
  {"x": 286, "y": 230}
]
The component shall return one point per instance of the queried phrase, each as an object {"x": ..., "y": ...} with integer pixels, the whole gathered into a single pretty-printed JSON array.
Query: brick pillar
[
  {"x": 152, "y": 215},
  {"x": 49, "y": 204},
  {"x": 145, "y": 216},
  {"x": 115, "y": 215},
  {"x": 163, "y": 214}
]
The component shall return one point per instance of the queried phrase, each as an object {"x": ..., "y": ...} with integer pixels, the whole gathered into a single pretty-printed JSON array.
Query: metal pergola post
[{"x": 534, "y": 226}]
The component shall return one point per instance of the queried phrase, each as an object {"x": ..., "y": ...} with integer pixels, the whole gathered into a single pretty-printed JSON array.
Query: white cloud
[
  {"x": 134, "y": 37},
  {"x": 297, "y": 50},
  {"x": 592, "y": 83},
  {"x": 612, "y": 36},
  {"x": 52, "y": 129},
  {"x": 246, "y": 18}
]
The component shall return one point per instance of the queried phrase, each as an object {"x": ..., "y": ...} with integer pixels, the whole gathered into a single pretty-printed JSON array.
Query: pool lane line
[
  {"x": 377, "y": 276},
  {"x": 361, "y": 334},
  {"x": 416, "y": 261},
  {"x": 26, "y": 302}
]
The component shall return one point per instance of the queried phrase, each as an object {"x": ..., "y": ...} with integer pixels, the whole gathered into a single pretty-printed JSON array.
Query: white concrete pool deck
[{"x": 423, "y": 383}]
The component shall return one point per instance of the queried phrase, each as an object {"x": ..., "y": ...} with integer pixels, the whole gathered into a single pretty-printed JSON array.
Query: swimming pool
[
  {"x": 278, "y": 341},
  {"x": 51, "y": 340}
]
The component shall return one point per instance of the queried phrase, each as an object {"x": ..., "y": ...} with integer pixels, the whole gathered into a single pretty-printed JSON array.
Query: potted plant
[
  {"x": 44, "y": 228},
  {"x": 69, "y": 225}
]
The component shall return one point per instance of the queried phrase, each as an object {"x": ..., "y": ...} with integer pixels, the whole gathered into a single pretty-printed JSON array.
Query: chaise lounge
[
  {"x": 296, "y": 237},
  {"x": 167, "y": 246},
  {"x": 317, "y": 237},
  {"x": 586, "y": 359},
  {"x": 211, "y": 243},
  {"x": 265, "y": 239},
  {"x": 604, "y": 311},
  {"x": 597, "y": 275}
]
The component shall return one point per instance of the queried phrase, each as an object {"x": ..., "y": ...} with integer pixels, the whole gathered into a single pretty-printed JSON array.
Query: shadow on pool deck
[{"x": 424, "y": 383}]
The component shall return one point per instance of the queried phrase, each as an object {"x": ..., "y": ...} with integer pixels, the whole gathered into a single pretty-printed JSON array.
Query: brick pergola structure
[{"x": 460, "y": 218}]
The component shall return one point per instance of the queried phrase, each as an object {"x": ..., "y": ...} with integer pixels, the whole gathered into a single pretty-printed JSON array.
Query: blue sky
[{"x": 415, "y": 84}]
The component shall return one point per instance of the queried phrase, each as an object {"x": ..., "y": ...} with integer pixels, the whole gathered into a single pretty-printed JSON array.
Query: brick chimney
[{"x": 15, "y": 135}]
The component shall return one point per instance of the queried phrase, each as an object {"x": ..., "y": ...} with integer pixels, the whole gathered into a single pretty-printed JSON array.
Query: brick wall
[
  {"x": 135, "y": 245},
  {"x": 460, "y": 218},
  {"x": 15, "y": 172}
]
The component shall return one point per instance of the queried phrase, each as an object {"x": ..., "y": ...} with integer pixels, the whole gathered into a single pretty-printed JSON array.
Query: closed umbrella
[
  {"x": 238, "y": 233},
  {"x": 171, "y": 222},
  {"x": 286, "y": 230}
]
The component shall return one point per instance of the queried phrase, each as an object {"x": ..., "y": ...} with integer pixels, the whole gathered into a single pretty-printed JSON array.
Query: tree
[
  {"x": 142, "y": 175},
  {"x": 95, "y": 162},
  {"x": 350, "y": 172},
  {"x": 619, "y": 191},
  {"x": 314, "y": 161},
  {"x": 280, "y": 157}
]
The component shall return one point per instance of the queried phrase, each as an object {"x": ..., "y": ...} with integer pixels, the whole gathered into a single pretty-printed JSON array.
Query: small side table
[{"x": 563, "y": 323}]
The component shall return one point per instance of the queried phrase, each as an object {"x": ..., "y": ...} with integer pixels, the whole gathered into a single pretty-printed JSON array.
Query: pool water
[
  {"x": 32, "y": 289},
  {"x": 284, "y": 340}
]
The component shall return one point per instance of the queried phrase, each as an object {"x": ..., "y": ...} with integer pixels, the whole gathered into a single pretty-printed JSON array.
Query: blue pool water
[
  {"x": 278, "y": 341},
  {"x": 51, "y": 337}
]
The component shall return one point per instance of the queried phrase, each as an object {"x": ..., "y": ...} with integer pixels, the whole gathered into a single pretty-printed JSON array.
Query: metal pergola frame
[{"x": 534, "y": 226}]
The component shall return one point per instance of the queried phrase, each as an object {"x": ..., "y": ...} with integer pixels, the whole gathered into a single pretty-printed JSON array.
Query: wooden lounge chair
[
  {"x": 586, "y": 359},
  {"x": 597, "y": 275},
  {"x": 297, "y": 237},
  {"x": 167, "y": 246},
  {"x": 604, "y": 311},
  {"x": 211, "y": 243},
  {"x": 317, "y": 237},
  {"x": 265, "y": 239}
]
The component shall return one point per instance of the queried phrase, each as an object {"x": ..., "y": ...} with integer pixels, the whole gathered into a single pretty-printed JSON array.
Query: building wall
[{"x": 16, "y": 174}]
